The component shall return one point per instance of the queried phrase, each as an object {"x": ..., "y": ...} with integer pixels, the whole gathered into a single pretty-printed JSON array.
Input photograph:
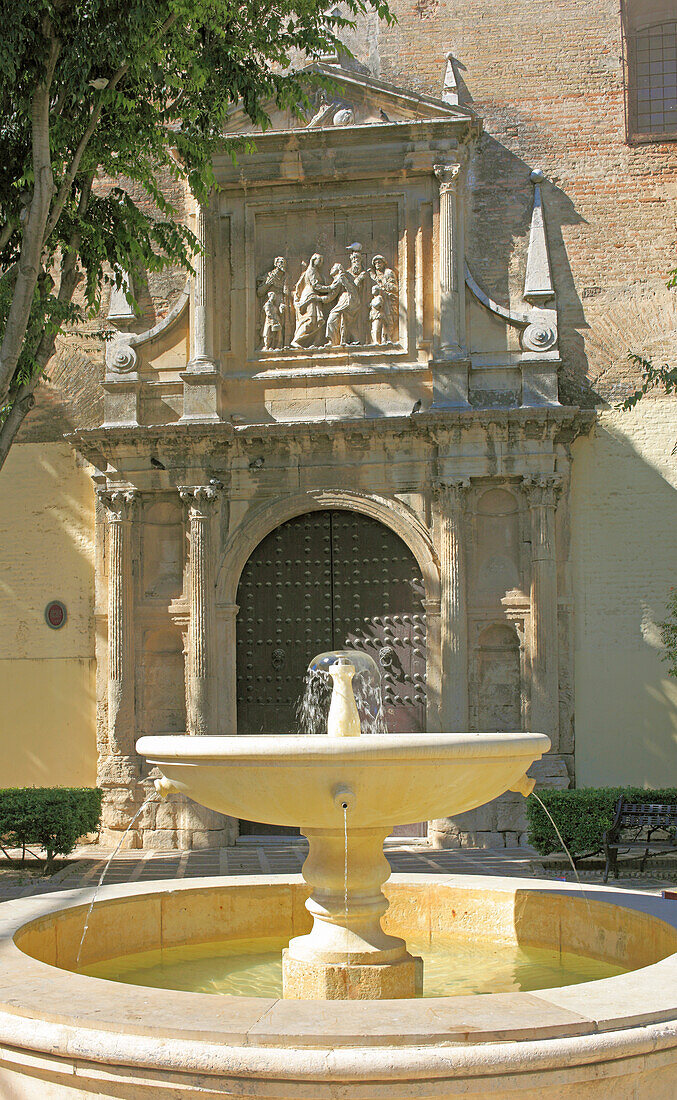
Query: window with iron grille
[{"x": 651, "y": 72}]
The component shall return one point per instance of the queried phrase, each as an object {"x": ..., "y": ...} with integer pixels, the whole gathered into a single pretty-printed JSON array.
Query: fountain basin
[
  {"x": 64, "y": 1035},
  {"x": 395, "y": 778},
  {"x": 346, "y": 792}
]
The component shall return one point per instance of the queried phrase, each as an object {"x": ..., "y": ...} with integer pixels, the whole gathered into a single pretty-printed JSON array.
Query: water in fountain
[
  {"x": 313, "y": 705},
  {"x": 137, "y": 815}
]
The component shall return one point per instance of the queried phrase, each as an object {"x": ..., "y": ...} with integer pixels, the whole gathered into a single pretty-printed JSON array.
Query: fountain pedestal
[{"x": 347, "y": 955}]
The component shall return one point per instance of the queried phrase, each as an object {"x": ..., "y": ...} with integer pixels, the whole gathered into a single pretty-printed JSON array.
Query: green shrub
[
  {"x": 52, "y": 818},
  {"x": 582, "y": 816}
]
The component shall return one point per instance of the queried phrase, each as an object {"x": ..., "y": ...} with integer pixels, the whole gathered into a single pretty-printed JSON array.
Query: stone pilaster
[
  {"x": 449, "y": 177},
  {"x": 201, "y": 657},
  {"x": 433, "y": 612},
  {"x": 120, "y": 505},
  {"x": 228, "y": 644},
  {"x": 542, "y": 493},
  {"x": 201, "y": 379},
  {"x": 450, "y": 499},
  {"x": 450, "y": 367}
]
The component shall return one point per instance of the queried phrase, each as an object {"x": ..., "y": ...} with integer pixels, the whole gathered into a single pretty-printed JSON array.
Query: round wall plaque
[{"x": 55, "y": 614}]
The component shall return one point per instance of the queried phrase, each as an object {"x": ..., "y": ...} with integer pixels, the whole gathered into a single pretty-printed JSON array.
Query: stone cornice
[{"x": 563, "y": 423}]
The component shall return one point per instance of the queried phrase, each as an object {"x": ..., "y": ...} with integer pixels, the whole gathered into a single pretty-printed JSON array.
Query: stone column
[
  {"x": 201, "y": 657},
  {"x": 119, "y": 504},
  {"x": 201, "y": 342},
  {"x": 542, "y": 494},
  {"x": 450, "y": 497},
  {"x": 450, "y": 368}
]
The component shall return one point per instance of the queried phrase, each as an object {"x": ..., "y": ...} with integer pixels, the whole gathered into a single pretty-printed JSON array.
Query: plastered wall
[
  {"x": 624, "y": 553},
  {"x": 47, "y": 731}
]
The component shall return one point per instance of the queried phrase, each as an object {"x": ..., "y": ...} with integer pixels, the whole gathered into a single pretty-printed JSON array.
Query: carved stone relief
[
  {"x": 353, "y": 307},
  {"x": 320, "y": 292}
]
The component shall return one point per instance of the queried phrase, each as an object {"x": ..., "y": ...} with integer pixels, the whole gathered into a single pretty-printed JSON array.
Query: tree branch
[
  {"x": 24, "y": 400},
  {"x": 74, "y": 166},
  {"x": 34, "y": 226}
]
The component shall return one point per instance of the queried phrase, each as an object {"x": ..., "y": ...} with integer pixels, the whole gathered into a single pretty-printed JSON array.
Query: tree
[
  {"x": 93, "y": 91},
  {"x": 662, "y": 377}
]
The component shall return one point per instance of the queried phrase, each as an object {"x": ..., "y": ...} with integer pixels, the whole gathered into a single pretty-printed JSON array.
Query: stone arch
[{"x": 264, "y": 519}]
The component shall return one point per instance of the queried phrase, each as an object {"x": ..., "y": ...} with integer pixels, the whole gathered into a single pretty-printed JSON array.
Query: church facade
[{"x": 381, "y": 414}]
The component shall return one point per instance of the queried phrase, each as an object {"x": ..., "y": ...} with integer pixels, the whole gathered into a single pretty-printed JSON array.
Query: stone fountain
[
  {"x": 349, "y": 1023},
  {"x": 346, "y": 792}
]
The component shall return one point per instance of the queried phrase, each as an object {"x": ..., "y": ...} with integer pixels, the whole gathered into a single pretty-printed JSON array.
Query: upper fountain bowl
[{"x": 395, "y": 779}]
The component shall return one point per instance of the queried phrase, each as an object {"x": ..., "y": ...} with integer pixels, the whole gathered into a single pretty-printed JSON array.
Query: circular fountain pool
[{"x": 64, "y": 1034}]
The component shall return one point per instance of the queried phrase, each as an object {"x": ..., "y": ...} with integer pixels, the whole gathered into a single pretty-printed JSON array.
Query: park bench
[{"x": 651, "y": 826}]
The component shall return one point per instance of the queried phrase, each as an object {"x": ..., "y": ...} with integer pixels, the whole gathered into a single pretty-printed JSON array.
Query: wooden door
[{"x": 328, "y": 580}]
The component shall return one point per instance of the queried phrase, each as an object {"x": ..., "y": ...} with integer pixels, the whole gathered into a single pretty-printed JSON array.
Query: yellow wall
[
  {"x": 47, "y": 717},
  {"x": 624, "y": 551}
]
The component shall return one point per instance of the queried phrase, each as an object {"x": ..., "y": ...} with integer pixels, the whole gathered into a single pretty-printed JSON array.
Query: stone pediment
[{"x": 352, "y": 99}]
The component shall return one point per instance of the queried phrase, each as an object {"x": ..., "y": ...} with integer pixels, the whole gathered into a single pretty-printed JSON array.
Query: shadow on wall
[{"x": 497, "y": 238}]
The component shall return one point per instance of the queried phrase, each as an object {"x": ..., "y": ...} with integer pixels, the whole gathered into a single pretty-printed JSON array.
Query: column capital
[
  {"x": 119, "y": 503},
  {"x": 200, "y": 498},
  {"x": 452, "y": 490},
  {"x": 542, "y": 490},
  {"x": 448, "y": 176}
]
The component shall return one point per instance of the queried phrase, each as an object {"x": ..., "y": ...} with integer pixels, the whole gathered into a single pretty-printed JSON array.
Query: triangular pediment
[{"x": 348, "y": 98}]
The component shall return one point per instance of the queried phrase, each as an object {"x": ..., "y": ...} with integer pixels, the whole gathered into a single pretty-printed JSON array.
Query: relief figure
[
  {"x": 384, "y": 282},
  {"x": 272, "y": 323},
  {"x": 309, "y": 293},
  {"x": 378, "y": 318},
  {"x": 275, "y": 282},
  {"x": 344, "y": 317}
]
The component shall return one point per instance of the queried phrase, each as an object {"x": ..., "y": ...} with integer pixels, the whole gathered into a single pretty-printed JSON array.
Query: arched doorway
[{"x": 328, "y": 579}]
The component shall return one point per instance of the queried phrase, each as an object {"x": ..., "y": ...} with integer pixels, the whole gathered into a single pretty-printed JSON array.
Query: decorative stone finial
[
  {"x": 119, "y": 310},
  {"x": 450, "y": 86},
  {"x": 538, "y": 286}
]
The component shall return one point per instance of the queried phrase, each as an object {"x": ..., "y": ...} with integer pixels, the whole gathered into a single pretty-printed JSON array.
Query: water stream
[
  {"x": 568, "y": 853},
  {"x": 345, "y": 864},
  {"x": 137, "y": 815}
]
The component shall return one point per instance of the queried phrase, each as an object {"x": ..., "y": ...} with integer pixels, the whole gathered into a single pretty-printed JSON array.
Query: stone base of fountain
[
  {"x": 312, "y": 981},
  {"x": 65, "y": 1036}
]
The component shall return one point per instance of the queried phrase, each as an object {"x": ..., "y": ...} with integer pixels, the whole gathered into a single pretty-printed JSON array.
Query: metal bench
[{"x": 651, "y": 826}]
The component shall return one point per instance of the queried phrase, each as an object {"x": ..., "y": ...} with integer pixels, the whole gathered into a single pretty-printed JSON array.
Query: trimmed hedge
[
  {"x": 582, "y": 816},
  {"x": 52, "y": 818}
]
